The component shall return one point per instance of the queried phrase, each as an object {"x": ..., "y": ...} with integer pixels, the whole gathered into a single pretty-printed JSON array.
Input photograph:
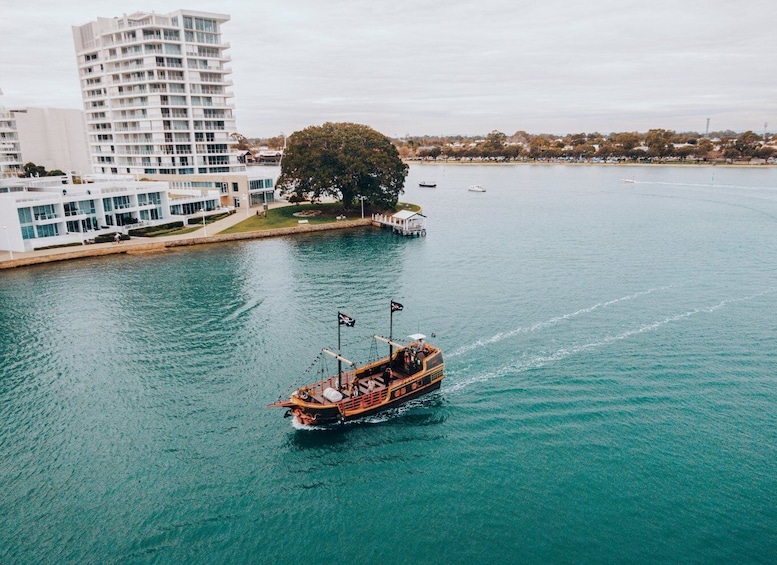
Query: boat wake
[
  {"x": 547, "y": 323},
  {"x": 536, "y": 361}
]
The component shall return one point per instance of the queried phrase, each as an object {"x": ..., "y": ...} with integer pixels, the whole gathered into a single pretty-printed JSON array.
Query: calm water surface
[{"x": 610, "y": 393}]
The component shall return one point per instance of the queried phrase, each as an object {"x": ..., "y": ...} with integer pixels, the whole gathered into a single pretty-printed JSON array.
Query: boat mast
[
  {"x": 339, "y": 352},
  {"x": 391, "y": 330},
  {"x": 342, "y": 319},
  {"x": 395, "y": 307}
]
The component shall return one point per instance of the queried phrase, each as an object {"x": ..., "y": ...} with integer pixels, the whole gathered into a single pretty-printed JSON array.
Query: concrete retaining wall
[{"x": 150, "y": 246}]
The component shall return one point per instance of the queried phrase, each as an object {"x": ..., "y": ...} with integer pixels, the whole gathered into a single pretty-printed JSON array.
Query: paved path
[{"x": 206, "y": 234}]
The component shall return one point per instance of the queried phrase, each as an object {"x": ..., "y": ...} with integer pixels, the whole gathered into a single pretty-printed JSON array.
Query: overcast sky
[{"x": 448, "y": 67}]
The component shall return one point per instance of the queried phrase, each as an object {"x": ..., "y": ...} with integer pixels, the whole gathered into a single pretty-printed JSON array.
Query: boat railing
[
  {"x": 317, "y": 389},
  {"x": 363, "y": 400}
]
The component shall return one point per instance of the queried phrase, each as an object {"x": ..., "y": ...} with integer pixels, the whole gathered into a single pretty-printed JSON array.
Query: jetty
[{"x": 404, "y": 222}]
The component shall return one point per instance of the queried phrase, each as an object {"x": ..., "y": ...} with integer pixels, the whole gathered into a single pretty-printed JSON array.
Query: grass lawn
[{"x": 284, "y": 217}]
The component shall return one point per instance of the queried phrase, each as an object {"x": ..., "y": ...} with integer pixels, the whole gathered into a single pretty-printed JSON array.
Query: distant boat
[
  {"x": 476, "y": 188},
  {"x": 427, "y": 184},
  {"x": 628, "y": 180}
]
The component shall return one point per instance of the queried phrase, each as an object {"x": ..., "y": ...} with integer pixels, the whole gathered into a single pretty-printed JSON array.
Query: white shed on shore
[{"x": 405, "y": 222}]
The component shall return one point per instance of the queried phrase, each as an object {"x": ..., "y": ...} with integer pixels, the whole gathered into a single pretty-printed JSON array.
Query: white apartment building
[
  {"x": 10, "y": 150},
  {"x": 51, "y": 211},
  {"x": 54, "y": 138},
  {"x": 155, "y": 93}
]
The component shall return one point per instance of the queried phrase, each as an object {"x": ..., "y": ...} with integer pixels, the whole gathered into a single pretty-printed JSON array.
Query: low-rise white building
[{"x": 51, "y": 211}]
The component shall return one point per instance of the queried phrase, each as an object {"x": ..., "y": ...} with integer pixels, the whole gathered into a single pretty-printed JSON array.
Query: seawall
[{"x": 148, "y": 245}]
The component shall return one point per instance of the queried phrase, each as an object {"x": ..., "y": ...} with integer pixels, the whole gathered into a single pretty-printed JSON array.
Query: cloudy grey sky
[{"x": 453, "y": 67}]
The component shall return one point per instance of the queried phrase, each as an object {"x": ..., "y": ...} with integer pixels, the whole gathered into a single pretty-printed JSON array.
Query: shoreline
[
  {"x": 143, "y": 245},
  {"x": 567, "y": 164}
]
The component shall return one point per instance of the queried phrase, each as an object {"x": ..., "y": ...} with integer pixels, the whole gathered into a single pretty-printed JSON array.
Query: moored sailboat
[{"x": 410, "y": 370}]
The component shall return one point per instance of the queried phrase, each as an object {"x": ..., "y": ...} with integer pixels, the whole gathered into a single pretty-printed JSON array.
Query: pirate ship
[{"x": 410, "y": 370}]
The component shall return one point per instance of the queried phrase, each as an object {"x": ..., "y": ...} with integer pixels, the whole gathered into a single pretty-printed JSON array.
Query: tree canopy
[{"x": 343, "y": 161}]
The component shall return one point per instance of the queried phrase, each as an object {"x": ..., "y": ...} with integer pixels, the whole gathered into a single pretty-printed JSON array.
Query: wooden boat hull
[
  {"x": 415, "y": 374},
  {"x": 314, "y": 416}
]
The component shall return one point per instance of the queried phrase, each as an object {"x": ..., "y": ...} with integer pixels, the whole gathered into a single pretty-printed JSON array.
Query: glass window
[
  {"x": 28, "y": 232},
  {"x": 71, "y": 209},
  {"x": 121, "y": 202},
  {"x": 86, "y": 207},
  {"x": 49, "y": 230},
  {"x": 45, "y": 212},
  {"x": 25, "y": 216}
]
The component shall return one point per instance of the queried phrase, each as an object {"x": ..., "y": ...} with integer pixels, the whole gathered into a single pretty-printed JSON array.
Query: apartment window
[
  {"x": 121, "y": 202},
  {"x": 28, "y": 232},
  {"x": 48, "y": 230},
  {"x": 86, "y": 207},
  {"x": 235, "y": 187},
  {"x": 45, "y": 212},
  {"x": 25, "y": 216}
]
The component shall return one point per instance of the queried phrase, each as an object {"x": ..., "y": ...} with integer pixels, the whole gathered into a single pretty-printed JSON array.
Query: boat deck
[{"x": 368, "y": 385}]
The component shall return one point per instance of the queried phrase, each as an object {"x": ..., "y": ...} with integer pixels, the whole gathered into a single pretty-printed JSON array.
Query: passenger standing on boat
[
  {"x": 354, "y": 388},
  {"x": 387, "y": 376}
]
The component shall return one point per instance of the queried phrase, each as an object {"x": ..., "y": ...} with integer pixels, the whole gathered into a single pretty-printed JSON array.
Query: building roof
[{"x": 406, "y": 214}]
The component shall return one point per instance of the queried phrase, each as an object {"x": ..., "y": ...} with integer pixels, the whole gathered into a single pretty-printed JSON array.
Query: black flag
[
  {"x": 345, "y": 319},
  {"x": 396, "y": 306}
]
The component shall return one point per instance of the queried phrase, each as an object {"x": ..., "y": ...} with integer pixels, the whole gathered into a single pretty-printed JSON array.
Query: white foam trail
[
  {"x": 542, "y": 360},
  {"x": 539, "y": 325}
]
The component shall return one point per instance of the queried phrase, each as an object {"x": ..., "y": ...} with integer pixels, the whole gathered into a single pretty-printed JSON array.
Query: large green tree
[{"x": 343, "y": 161}]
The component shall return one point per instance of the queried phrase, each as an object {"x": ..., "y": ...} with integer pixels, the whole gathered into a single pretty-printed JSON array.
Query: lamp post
[
  {"x": 204, "y": 227},
  {"x": 8, "y": 237},
  {"x": 362, "y": 198}
]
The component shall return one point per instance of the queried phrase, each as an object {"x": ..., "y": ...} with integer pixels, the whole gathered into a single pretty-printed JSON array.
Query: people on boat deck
[
  {"x": 353, "y": 390},
  {"x": 387, "y": 376}
]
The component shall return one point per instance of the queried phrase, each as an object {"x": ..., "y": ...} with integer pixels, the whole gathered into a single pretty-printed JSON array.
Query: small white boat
[
  {"x": 427, "y": 184},
  {"x": 476, "y": 188},
  {"x": 631, "y": 181}
]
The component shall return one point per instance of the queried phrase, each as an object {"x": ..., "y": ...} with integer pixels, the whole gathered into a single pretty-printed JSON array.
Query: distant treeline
[
  {"x": 655, "y": 144},
  {"x": 633, "y": 146}
]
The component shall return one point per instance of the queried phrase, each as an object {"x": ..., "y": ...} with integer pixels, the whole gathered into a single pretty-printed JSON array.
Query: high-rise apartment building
[
  {"x": 10, "y": 150},
  {"x": 155, "y": 93}
]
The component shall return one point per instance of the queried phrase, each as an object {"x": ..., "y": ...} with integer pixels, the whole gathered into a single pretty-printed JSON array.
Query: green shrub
[
  {"x": 150, "y": 231},
  {"x": 110, "y": 237}
]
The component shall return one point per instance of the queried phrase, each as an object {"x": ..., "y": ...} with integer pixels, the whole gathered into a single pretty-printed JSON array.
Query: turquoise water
[{"x": 610, "y": 393}]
